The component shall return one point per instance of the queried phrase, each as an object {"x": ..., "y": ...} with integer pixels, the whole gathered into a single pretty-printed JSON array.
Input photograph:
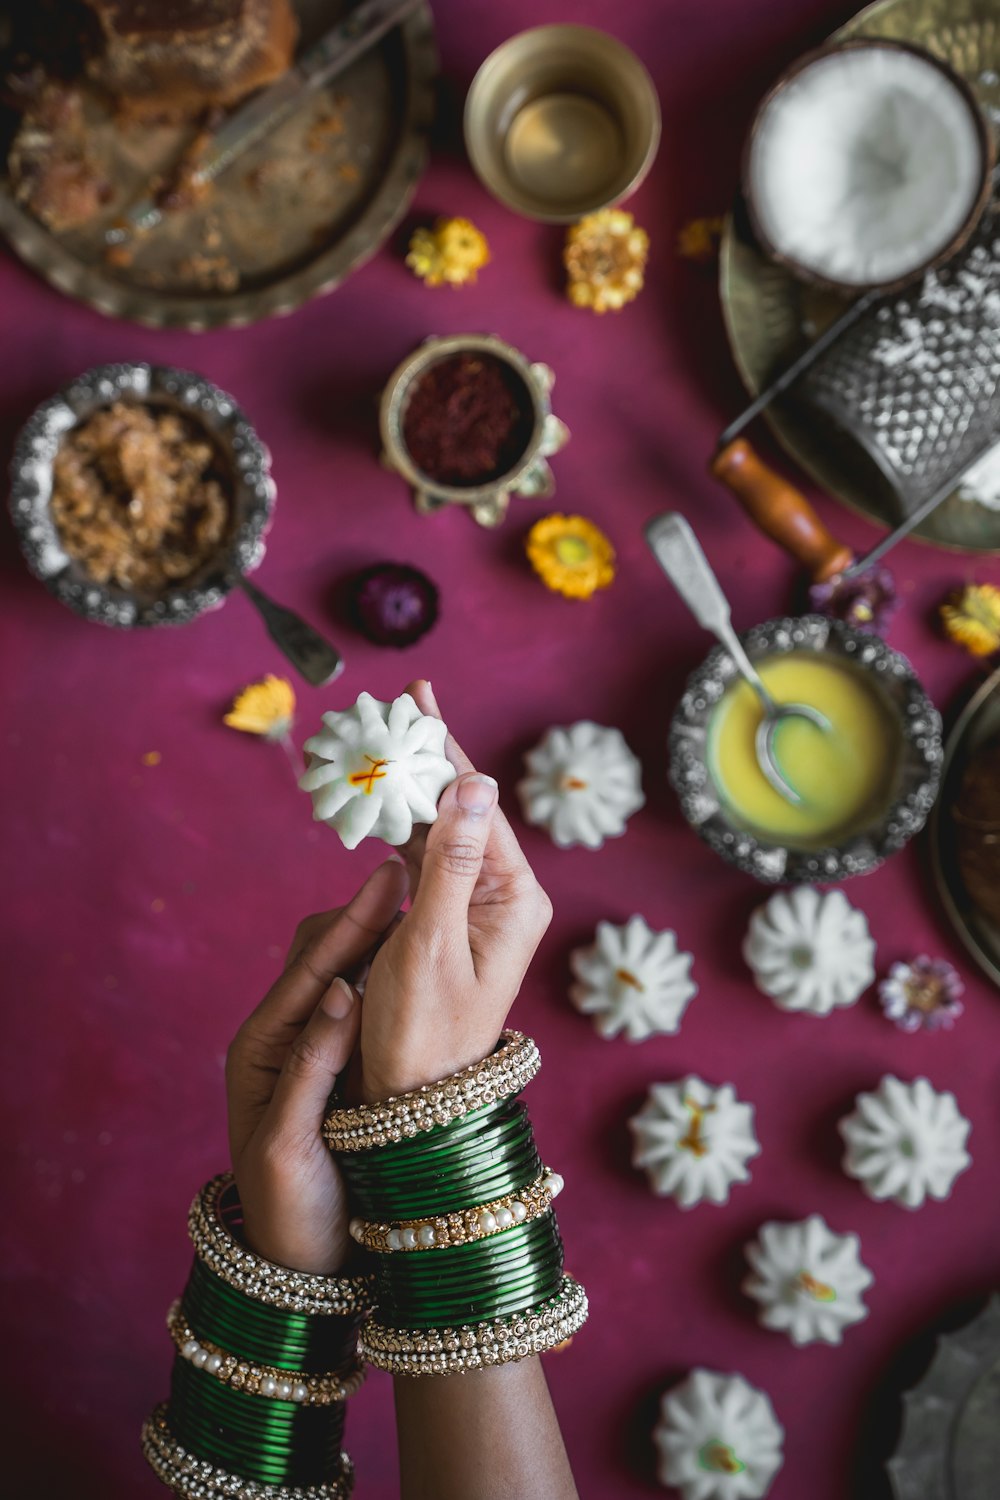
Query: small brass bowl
[
  {"x": 530, "y": 476},
  {"x": 918, "y": 771},
  {"x": 561, "y": 121}
]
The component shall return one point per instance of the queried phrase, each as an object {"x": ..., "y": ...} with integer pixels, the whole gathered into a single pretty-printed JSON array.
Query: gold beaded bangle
[
  {"x": 452, "y": 1351},
  {"x": 260, "y": 1279},
  {"x": 504, "y": 1073},
  {"x": 257, "y": 1379},
  {"x": 193, "y": 1478},
  {"x": 463, "y": 1227}
]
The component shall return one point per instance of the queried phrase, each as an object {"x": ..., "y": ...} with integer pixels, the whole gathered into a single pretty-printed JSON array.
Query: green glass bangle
[
  {"x": 255, "y": 1331},
  {"x": 467, "y": 1283},
  {"x": 272, "y": 1442}
]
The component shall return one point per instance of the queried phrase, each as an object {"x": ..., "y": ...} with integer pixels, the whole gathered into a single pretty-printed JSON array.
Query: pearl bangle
[
  {"x": 257, "y": 1379},
  {"x": 504, "y": 1073},
  {"x": 452, "y": 1351},
  {"x": 194, "y": 1478},
  {"x": 261, "y": 1280},
  {"x": 464, "y": 1227}
]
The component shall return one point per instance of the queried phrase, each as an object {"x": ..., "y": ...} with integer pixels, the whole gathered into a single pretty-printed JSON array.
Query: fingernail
[
  {"x": 475, "y": 793},
  {"x": 394, "y": 859},
  {"x": 338, "y": 1002},
  {"x": 430, "y": 694}
]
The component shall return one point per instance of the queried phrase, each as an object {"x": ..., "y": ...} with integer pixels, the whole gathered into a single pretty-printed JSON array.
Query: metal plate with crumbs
[{"x": 290, "y": 220}]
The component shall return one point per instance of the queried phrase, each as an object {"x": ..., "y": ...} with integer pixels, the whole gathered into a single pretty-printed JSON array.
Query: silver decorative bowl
[
  {"x": 917, "y": 778},
  {"x": 530, "y": 476},
  {"x": 251, "y": 493}
]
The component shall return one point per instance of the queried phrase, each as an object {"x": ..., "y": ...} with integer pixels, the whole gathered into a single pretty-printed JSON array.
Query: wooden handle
[{"x": 780, "y": 510}]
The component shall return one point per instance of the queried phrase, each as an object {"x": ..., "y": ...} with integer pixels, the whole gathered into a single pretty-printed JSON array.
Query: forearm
[{"x": 484, "y": 1435}]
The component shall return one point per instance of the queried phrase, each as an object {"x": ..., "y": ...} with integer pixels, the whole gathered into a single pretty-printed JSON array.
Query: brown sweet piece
[
  {"x": 976, "y": 812},
  {"x": 137, "y": 497},
  {"x": 168, "y": 59},
  {"x": 51, "y": 170}
]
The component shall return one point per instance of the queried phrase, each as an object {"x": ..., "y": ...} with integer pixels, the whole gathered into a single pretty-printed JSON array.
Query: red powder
[{"x": 468, "y": 420}]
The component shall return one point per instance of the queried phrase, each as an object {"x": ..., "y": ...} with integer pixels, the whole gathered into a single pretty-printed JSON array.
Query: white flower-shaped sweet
[
  {"x": 632, "y": 980},
  {"x": 377, "y": 768},
  {"x": 583, "y": 783},
  {"x": 694, "y": 1141},
  {"x": 810, "y": 951},
  {"x": 807, "y": 1280},
  {"x": 906, "y": 1141},
  {"x": 718, "y": 1438}
]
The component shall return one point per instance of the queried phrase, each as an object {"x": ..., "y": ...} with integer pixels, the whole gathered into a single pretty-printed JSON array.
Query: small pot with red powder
[{"x": 467, "y": 421}]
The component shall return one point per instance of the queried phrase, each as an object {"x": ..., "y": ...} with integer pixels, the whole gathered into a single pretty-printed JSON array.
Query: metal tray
[
  {"x": 769, "y": 314},
  {"x": 293, "y": 217},
  {"x": 978, "y": 722}
]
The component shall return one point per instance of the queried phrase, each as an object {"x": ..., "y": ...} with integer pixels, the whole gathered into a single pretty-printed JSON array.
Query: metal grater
[{"x": 916, "y": 381}]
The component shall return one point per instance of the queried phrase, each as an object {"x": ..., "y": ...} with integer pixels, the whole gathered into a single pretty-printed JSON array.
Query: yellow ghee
[{"x": 845, "y": 776}]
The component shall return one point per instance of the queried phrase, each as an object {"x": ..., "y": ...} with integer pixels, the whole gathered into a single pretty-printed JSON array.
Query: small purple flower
[
  {"x": 866, "y": 602},
  {"x": 393, "y": 604},
  {"x": 922, "y": 995}
]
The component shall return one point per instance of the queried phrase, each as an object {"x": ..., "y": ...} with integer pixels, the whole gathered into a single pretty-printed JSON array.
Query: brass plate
[
  {"x": 766, "y": 310},
  {"x": 978, "y": 722},
  {"x": 298, "y": 212}
]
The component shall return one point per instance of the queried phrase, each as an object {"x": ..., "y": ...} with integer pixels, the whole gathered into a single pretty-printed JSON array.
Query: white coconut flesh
[{"x": 865, "y": 165}]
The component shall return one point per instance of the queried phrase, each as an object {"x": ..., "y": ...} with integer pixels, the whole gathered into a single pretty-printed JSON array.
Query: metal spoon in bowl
[{"x": 679, "y": 554}]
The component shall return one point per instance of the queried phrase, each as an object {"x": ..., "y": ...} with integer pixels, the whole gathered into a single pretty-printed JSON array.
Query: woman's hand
[
  {"x": 280, "y": 1070},
  {"x": 441, "y": 985}
]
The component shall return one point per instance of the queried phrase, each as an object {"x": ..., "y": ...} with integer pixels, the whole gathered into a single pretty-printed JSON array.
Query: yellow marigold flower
[
  {"x": 605, "y": 258},
  {"x": 698, "y": 239},
  {"x": 451, "y": 252},
  {"x": 972, "y": 618},
  {"x": 266, "y": 708},
  {"x": 570, "y": 555}
]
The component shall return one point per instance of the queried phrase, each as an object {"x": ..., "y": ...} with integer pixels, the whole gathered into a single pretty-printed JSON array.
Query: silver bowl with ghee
[{"x": 867, "y": 785}]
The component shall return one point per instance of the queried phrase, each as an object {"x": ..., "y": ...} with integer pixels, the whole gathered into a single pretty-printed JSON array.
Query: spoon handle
[
  {"x": 312, "y": 656},
  {"x": 680, "y": 555}
]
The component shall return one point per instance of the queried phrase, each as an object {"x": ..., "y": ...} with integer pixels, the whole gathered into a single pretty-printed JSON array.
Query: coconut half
[{"x": 867, "y": 163}]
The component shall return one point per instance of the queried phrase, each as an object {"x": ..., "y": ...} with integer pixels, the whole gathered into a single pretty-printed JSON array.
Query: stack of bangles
[{"x": 455, "y": 1209}]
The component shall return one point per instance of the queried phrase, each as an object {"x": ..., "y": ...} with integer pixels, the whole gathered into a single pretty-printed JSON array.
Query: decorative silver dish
[
  {"x": 918, "y": 773},
  {"x": 949, "y": 1448},
  {"x": 251, "y": 495}
]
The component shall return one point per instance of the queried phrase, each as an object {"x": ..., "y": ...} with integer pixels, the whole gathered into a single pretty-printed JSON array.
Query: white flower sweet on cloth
[
  {"x": 810, "y": 951},
  {"x": 807, "y": 1280},
  {"x": 376, "y": 769},
  {"x": 583, "y": 783},
  {"x": 718, "y": 1438},
  {"x": 693, "y": 1140},
  {"x": 632, "y": 980},
  {"x": 906, "y": 1141}
]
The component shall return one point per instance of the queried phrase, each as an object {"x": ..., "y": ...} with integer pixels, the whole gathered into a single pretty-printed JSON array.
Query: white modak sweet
[
  {"x": 718, "y": 1438},
  {"x": 807, "y": 1280},
  {"x": 906, "y": 1142},
  {"x": 694, "y": 1141},
  {"x": 377, "y": 769},
  {"x": 632, "y": 980},
  {"x": 583, "y": 784},
  {"x": 810, "y": 951}
]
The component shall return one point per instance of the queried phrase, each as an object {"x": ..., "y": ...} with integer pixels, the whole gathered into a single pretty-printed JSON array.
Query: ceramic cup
[
  {"x": 530, "y": 476},
  {"x": 561, "y": 121},
  {"x": 893, "y": 825}
]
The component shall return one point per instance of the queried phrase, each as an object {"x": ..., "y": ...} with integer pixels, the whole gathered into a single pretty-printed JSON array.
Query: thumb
[
  {"x": 319, "y": 1052},
  {"x": 453, "y": 857}
]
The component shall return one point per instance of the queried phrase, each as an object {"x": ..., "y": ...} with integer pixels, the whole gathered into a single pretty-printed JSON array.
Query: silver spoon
[{"x": 679, "y": 554}]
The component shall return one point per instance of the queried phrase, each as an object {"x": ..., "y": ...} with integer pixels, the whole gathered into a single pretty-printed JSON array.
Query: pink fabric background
[{"x": 146, "y": 908}]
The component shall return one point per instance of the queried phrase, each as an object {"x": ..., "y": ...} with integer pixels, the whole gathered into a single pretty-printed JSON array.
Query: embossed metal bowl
[
  {"x": 251, "y": 495},
  {"x": 530, "y": 475},
  {"x": 918, "y": 772}
]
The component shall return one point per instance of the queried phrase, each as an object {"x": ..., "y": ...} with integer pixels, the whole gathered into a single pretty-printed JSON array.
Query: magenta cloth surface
[{"x": 148, "y": 906}]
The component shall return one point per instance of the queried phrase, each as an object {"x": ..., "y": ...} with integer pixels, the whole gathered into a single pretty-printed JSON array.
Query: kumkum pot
[
  {"x": 541, "y": 434},
  {"x": 910, "y": 741}
]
